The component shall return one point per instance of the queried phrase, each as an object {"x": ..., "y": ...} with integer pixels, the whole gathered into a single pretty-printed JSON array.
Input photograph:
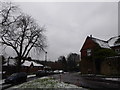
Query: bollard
[
  {"x": 60, "y": 77},
  {"x": 77, "y": 82}
]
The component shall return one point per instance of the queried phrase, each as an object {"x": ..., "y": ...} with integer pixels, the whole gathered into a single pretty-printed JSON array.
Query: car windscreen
[
  {"x": 22, "y": 74},
  {"x": 13, "y": 76}
]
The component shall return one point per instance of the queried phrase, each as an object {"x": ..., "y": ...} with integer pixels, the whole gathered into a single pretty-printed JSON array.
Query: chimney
[{"x": 90, "y": 36}]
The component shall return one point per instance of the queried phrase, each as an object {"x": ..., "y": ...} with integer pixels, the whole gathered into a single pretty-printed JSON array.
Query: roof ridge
[
  {"x": 101, "y": 43},
  {"x": 99, "y": 39},
  {"x": 113, "y": 38}
]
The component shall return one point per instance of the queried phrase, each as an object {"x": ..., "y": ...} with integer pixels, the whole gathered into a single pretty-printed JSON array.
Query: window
[
  {"x": 89, "y": 52},
  {"x": 117, "y": 51}
]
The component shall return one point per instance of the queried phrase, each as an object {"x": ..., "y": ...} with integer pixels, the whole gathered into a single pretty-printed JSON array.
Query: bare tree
[
  {"x": 20, "y": 32},
  {"x": 72, "y": 61}
]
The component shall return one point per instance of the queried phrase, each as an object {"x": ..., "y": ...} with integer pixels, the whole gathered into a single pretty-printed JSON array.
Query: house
[
  {"x": 31, "y": 67},
  {"x": 112, "y": 63},
  {"x": 28, "y": 66},
  {"x": 89, "y": 64},
  {"x": 114, "y": 43}
]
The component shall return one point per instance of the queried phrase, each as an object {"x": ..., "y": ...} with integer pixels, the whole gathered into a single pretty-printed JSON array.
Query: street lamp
[
  {"x": 45, "y": 55},
  {"x": 45, "y": 61}
]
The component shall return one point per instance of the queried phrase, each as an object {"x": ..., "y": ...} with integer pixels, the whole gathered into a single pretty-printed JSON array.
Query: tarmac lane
[{"x": 76, "y": 79}]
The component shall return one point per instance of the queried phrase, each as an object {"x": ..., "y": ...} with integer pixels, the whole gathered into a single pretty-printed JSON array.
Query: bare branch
[{"x": 20, "y": 31}]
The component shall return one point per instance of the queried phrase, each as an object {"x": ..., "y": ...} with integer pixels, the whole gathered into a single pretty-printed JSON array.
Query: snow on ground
[
  {"x": 29, "y": 76},
  {"x": 47, "y": 82},
  {"x": 2, "y": 81},
  {"x": 112, "y": 79}
]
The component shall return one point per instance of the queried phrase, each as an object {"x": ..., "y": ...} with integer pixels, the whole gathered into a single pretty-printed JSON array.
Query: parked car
[
  {"x": 16, "y": 78},
  {"x": 41, "y": 73},
  {"x": 61, "y": 71},
  {"x": 49, "y": 72},
  {"x": 58, "y": 72}
]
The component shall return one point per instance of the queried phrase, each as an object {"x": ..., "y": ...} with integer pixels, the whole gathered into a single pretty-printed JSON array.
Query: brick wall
[
  {"x": 86, "y": 64},
  {"x": 111, "y": 66},
  {"x": 89, "y": 44}
]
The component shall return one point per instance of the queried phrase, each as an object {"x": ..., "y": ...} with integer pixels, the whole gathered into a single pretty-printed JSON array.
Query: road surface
[{"x": 75, "y": 78}]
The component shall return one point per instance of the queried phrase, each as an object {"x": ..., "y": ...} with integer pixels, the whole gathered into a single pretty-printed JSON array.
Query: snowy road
[
  {"x": 87, "y": 82},
  {"x": 75, "y": 78}
]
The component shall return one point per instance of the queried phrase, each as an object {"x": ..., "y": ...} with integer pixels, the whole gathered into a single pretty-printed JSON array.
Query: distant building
[
  {"x": 89, "y": 65},
  {"x": 28, "y": 66},
  {"x": 31, "y": 67}
]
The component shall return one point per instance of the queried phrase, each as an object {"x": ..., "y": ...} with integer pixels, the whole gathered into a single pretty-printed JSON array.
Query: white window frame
[{"x": 89, "y": 52}]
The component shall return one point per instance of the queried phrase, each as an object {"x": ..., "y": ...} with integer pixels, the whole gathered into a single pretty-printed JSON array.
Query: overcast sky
[{"x": 68, "y": 24}]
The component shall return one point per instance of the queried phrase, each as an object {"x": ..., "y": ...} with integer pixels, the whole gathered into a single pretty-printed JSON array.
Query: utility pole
[
  {"x": 45, "y": 56},
  {"x": 45, "y": 64}
]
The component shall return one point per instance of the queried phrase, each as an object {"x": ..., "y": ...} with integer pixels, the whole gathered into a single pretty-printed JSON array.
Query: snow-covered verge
[
  {"x": 47, "y": 82},
  {"x": 29, "y": 76},
  {"x": 2, "y": 81}
]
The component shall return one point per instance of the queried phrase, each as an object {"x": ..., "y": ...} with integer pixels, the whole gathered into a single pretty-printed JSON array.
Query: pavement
[
  {"x": 102, "y": 78},
  {"x": 112, "y": 79}
]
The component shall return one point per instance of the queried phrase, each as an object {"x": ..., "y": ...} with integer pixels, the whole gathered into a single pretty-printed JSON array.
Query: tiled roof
[
  {"x": 114, "y": 41},
  {"x": 26, "y": 63},
  {"x": 11, "y": 62},
  {"x": 101, "y": 43},
  {"x": 35, "y": 64}
]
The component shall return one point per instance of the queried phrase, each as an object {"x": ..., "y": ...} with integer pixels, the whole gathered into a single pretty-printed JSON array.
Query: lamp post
[
  {"x": 45, "y": 56},
  {"x": 45, "y": 61}
]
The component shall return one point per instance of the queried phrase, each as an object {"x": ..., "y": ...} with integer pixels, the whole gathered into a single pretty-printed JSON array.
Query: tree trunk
[{"x": 19, "y": 64}]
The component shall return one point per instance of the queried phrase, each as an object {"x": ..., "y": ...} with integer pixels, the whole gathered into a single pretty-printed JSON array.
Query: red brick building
[
  {"x": 114, "y": 43},
  {"x": 87, "y": 64}
]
